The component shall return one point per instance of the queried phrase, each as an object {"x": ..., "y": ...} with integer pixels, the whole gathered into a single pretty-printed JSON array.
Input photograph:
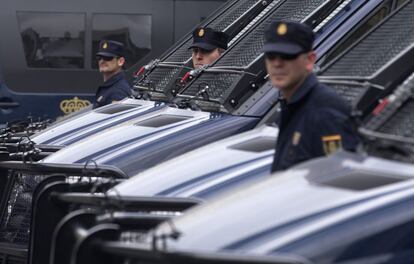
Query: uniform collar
[
  {"x": 120, "y": 75},
  {"x": 304, "y": 88}
]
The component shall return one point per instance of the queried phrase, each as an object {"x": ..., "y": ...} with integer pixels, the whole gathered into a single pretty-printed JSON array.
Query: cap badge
[
  {"x": 282, "y": 29},
  {"x": 105, "y": 45},
  {"x": 201, "y": 33}
]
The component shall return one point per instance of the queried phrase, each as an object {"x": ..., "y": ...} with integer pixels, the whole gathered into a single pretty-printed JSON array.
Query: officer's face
[
  {"x": 287, "y": 73},
  {"x": 110, "y": 65},
  {"x": 203, "y": 57}
]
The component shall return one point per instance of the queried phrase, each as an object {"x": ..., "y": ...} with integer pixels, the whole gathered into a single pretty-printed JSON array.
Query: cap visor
[
  {"x": 205, "y": 46},
  {"x": 283, "y": 48},
  {"x": 106, "y": 54}
]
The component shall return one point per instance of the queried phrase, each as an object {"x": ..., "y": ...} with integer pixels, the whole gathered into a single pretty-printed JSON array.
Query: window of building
[
  {"x": 134, "y": 31},
  {"x": 58, "y": 46}
]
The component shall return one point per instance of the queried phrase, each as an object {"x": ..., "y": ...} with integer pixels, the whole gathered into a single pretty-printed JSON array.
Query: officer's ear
[
  {"x": 311, "y": 60},
  {"x": 121, "y": 61}
]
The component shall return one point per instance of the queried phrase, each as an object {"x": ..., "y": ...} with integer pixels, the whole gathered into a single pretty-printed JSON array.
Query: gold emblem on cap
[
  {"x": 282, "y": 29},
  {"x": 105, "y": 45},
  {"x": 201, "y": 33}
]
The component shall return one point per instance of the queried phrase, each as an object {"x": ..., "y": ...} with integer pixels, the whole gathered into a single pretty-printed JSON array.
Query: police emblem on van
[{"x": 73, "y": 105}]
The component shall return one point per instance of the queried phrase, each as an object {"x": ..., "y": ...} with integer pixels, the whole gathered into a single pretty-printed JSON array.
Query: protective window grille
[
  {"x": 160, "y": 78},
  {"x": 379, "y": 47},
  {"x": 250, "y": 46},
  {"x": 402, "y": 122},
  {"x": 374, "y": 51},
  {"x": 246, "y": 51},
  {"x": 15, "y": 225},
  {"x": 16, "y": 221},
  {"x": 183, "y": 54}
]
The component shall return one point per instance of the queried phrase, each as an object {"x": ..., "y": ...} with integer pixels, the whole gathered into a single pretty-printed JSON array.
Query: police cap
[
  {"x": 288, "y": 38},
  {"x": 209, "y": 39},
  {"x": 111, "y": 48}
]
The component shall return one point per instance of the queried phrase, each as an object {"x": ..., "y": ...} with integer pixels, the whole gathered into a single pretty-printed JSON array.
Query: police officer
[
  {"x": 208, "y": 45},
  {"x": 314, "y": 120},
  {"x": 111, "y": 61}
]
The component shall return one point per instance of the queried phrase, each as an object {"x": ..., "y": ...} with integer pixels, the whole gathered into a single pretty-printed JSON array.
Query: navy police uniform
[
  {"x": 315, "y": 121},
  {"x": 117, "y": 87}
]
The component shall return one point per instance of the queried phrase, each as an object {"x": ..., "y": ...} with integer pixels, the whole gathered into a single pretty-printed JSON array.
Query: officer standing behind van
[
  {"x": 314, "y": 120},
  {"x": 111, "y": 61},
  {"x": 208, "y": 44}
]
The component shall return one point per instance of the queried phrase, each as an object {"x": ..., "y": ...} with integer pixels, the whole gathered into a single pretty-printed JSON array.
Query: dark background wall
[{"x": 49, "y": 45}]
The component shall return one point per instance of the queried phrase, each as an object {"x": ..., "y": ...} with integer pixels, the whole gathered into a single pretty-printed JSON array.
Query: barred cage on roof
[{"x": 162, "y": 78}]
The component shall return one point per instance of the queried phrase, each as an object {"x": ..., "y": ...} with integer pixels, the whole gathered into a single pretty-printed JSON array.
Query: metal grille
[
  {"x": 348, "y": 92},
  {"x": 9, "y": 259},
  {"x": 216, "y": 86},
  {"x": 250, "y": 47},
  {"x": 393, "y": 103},
  {"x": 133, "y": 237},
  {"x": 247, "y": 50},
  {"x": 183, "y": 54},
  {"x": 402, "y": 122},
  {"x": 381, "y": 45},
  {"x": 16, "y": 223},
  {"x": 161, "y": 77}
]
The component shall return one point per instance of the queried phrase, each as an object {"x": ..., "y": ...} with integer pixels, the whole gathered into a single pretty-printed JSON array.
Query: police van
[{"x": 47, "y": 53}]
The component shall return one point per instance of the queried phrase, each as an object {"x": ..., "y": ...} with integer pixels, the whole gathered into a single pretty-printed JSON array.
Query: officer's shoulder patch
[
  {"x": 282, "y": 29},
  {"x": 331, "y": 143},
  {"x": 201, "y": 32},
  {"x": 296, "y": 138}
]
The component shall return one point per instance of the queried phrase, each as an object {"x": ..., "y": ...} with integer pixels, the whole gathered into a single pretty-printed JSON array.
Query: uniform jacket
[
  {"x": 114, "y": 89},
  {"x": 315, "y": 122}
]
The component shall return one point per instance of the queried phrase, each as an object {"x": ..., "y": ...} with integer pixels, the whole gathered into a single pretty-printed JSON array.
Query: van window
[
  {"x": 134, "y": 31},
  {"x": 60, "y": 46}
]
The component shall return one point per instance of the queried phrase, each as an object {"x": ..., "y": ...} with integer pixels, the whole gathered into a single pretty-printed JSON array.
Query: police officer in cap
[
  {"x": 314, "y": 120},
  {"x": 111, "y": 61},
  {"x": 208, "y": 44}
]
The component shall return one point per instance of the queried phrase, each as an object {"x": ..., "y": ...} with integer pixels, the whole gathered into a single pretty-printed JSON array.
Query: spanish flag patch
[{"x": 331, "y": 143}]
